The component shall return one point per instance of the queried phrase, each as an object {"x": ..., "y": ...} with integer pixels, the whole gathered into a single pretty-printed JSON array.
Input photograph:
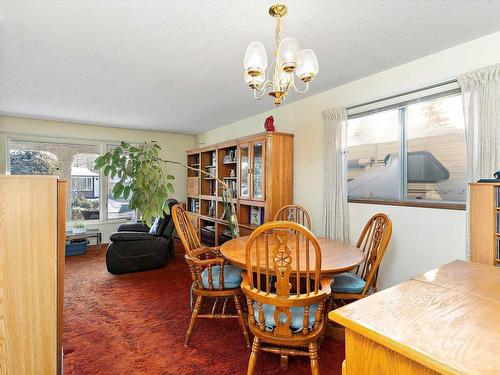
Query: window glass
[
  {"x": 71, "y": 162},
  {"x": 117, "y": 208},
  {"x": 85, "y": 187},
  {"x": 372, "y": 161},
  {"x": 437, "y": 158}
]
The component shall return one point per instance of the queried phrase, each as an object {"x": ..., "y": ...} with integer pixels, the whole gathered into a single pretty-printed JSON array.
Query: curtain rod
[{"x": 401, "y": 94}]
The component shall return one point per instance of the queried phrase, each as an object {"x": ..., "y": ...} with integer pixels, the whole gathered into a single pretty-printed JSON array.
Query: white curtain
[
  {"x": 481, "y": 104},
  {"x": 335, "y": 208}
]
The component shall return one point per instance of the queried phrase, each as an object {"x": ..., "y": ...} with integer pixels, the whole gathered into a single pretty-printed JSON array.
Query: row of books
[
  {"x": 231, "y": 184},
  {"x": 498, "y": 222},
  {"x": 194, "y": 205},
  {"x": 498, "y": 196}
]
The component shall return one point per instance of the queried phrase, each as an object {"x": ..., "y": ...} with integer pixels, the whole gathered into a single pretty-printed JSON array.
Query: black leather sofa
[{"x": 136, "y": 247}]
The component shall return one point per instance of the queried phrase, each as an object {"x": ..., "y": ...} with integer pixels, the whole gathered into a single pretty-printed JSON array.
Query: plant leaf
[{"x": 126, "y": 192}]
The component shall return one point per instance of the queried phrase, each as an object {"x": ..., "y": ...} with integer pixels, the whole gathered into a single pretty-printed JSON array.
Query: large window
[
  {"x": 413, "y": 152},
  {"x": 117, "y": 208},
  {"x": 73, "y": 162}
]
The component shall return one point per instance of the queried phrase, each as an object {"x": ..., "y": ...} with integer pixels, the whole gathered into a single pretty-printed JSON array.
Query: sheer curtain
[
  {"x": 335, "y": 208},
  {"x": 481, "y": 103}
]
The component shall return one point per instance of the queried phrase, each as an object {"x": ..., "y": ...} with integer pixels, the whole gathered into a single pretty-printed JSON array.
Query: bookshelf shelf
[{"x": 208, "y": 197}]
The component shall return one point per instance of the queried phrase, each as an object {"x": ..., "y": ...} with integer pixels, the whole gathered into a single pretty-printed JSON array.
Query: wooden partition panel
[
  {"x": 62, "y": 187},
  {"x": 28, "y": 275}
]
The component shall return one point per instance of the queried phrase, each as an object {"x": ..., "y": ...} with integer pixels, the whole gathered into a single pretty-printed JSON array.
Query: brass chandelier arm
[
  {"x": 306, "y": 89},
  {"x": 256, "y": 93}
]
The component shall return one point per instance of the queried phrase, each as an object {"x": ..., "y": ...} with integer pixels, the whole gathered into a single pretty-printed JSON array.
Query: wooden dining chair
[
  {"x": 211, "y": 276},
  {"x": 285, "y": 310},
  {"x": 294, "y": 213},
  {"x": 362, "y": 282}
]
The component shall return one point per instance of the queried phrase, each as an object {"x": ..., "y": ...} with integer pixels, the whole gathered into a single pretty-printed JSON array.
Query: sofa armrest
[
  {"x": 133, "y": 227},
  {"x": 132, "y": 236}
]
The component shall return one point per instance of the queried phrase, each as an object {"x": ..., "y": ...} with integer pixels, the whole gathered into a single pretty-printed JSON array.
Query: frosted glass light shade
[
  {"x": 255, "y": 82},
  {"x": 308, "y": 66},
  {"x": 288, "y": 54},
  {"x": 255, "y": 58}
]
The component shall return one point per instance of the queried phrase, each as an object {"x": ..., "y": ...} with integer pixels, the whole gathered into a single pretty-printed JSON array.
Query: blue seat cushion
[
  {"x": 297, "y": 316},
  {"x": 232, "y": 277},
  {"x": 348, "y": 283}
]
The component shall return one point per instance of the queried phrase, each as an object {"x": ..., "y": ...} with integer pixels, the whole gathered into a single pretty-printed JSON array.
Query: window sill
[
  {"x": 99, "y": 222},
  {"x": 424, "y": 204}
]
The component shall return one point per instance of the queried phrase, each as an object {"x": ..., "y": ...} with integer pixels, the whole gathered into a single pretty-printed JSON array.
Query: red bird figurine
[{"x": 269, "y": 124}]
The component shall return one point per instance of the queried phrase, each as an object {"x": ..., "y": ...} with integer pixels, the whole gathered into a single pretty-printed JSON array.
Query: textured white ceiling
[{"x": 177, "y": 65}]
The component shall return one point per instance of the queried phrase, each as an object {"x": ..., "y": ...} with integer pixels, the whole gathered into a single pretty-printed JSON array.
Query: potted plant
[
  {"x": 79, "y": 227},
  {"x": 142, "y": 179}
]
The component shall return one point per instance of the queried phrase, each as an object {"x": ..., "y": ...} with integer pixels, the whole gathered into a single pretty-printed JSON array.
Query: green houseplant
[{"x": 142, "y": 179}]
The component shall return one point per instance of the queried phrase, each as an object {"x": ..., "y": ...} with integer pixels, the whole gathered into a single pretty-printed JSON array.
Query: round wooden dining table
[{"x": 336, "y": 256}]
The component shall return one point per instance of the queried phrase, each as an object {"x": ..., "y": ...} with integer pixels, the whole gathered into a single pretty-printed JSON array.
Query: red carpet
[{"x": 136, "y": 324}]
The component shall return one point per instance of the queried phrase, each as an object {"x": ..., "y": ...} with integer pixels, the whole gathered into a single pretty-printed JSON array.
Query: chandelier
[{"x": 288, "y": 60}]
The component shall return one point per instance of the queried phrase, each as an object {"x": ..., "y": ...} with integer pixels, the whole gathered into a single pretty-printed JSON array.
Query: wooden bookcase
[
  {"x": 260, "y": 170},
  {"x": 485, "y": 223}
]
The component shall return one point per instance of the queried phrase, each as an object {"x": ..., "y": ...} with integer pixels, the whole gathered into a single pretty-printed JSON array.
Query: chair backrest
[
  {"x": 283, "y": 251},
  {"x": 373, "y": 243},
  {"x": 294, "y": 213},
  {"x": 185, "y": 229}
]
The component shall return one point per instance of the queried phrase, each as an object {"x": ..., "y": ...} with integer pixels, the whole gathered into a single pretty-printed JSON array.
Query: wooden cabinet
[
  {"x": 32, "y": 239},
  {"x": 257, "y": 168},
  {"x": 444, "y": 321},
  {"x": 485, "y": 223}
]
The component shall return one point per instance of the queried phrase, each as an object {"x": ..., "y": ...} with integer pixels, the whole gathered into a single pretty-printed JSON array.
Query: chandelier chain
[{"x": 277, "y": 35}]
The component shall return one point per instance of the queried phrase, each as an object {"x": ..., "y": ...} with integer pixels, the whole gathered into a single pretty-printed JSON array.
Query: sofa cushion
[
  {"x": 232, "y": 277},
  {"x": 348, "y": 283},
  {"x": 158, "y": 226},
  {"x": 297, "y": 316}
]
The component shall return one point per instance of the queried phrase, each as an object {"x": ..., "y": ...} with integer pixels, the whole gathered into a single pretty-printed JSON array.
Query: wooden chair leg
[
  {"x": 194, "y": 315},
  {"x": 284, "y": 360},
  {"x": 253, "y": 356},
  {"x": 313, "y": 354},
  {"x": 241, "y": 318}
]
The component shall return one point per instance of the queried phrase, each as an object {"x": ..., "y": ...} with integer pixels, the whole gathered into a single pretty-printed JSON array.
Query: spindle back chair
[
  {"x": 294, "y": 213},
  {"x": 209, "y": 274},
  {"x": 286, "y": 308},
  {"x": 373, "y": 242}
]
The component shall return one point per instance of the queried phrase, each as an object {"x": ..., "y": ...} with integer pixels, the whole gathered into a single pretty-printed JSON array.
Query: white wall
[
  {"x": 173, "y": 146},
  {"x": 422, "y": 238}
]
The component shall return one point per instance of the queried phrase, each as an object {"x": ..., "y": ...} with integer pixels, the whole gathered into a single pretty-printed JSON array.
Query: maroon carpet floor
[{"x": 136, "y": 324}]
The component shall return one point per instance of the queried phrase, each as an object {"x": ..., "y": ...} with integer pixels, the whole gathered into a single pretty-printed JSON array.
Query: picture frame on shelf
[{"x": 256, "y": 215}]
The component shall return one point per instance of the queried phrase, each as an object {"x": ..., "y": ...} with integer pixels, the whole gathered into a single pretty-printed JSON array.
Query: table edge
[{"x": 323, "y": 272}]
